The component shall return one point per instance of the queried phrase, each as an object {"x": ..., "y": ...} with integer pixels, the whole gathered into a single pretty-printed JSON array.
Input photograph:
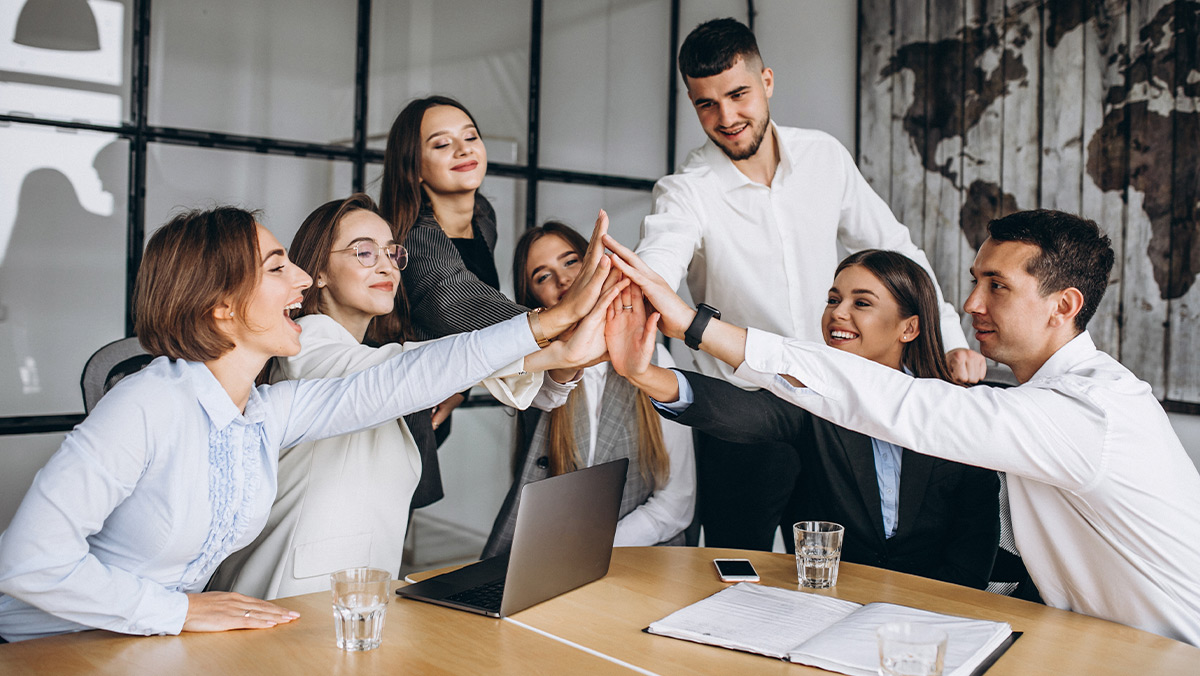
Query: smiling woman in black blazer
[{"x": 902, "y": 510}]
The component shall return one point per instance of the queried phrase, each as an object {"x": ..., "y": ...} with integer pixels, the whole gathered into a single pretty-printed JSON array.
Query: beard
[{"x": 758, "y": 130}]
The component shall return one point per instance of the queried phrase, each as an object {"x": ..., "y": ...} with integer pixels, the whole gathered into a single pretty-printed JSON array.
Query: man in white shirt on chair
[
  {"x": 1105, "y": 502},
  {"x": 758, "y": 207}
]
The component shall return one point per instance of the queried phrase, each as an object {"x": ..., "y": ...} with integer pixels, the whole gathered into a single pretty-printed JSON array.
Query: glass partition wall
[{"x": 118, "y": 113}]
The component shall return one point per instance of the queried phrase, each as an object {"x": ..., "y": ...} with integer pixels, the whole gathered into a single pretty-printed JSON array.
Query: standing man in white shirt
[
  {"x": 1105, "y": 502},
  {"x": 762, "y": 207}
]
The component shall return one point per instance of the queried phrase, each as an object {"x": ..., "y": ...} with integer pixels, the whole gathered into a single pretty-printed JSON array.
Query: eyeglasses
[{"x": 368, "y": 254}]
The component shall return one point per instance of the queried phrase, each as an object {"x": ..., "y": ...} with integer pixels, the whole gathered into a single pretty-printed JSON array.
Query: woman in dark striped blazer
[{"x": 433, "y": 166}]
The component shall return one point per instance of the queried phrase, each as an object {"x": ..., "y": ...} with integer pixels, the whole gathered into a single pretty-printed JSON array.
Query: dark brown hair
[
  {"x": 1074, "y": 253},
  {"x": 311, "y": 248},
  {"x": 713, "y": 46},
  {"x": 193, "y": 264},
  {"x": 654, "y": 464},
  {"x": 913, "y": 290},
  {"x": 400, "y": 195}
]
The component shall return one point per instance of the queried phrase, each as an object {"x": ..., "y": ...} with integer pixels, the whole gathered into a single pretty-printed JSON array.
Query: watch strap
[{"x": 695, "y": 330}]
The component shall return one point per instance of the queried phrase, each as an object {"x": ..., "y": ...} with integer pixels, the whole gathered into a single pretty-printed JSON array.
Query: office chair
[{"x": 109, "y": 365}]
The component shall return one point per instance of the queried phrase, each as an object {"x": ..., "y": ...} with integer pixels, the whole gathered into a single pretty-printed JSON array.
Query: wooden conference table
[{"x": 596, "y": 629}]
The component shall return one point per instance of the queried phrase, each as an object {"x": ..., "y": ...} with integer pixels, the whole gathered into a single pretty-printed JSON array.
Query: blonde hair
[{"x": 561, "y": 450}]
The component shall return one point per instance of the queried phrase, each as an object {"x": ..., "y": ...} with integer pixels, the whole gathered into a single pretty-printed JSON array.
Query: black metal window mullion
[
  {"x": 362, "y": 66},
  {"x": 141, "y": 134},
  {"x": 535, "y": 104},
  {"x": 138, "y": 105}
]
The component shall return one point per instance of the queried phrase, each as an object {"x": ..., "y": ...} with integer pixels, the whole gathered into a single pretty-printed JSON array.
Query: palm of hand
[{"x": 625, "y": 335}]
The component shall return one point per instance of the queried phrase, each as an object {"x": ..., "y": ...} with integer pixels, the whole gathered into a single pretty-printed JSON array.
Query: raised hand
[
  {"x": 588, "y": 286},
  {"x": 583, "y": 344},
  {"x": 586, "y": 345},
  {"x": 676, "y": 315},
  {"x": 630, "y": 334},
  {"x": 222, "y": 611}
]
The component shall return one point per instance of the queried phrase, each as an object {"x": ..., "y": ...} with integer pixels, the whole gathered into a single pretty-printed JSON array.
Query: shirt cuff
[
  {"x": 769, "y": 355},
  {"x": 686, "y": 397}
]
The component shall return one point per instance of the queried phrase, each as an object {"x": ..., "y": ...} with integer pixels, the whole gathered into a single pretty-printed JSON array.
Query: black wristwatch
[{"x": 695, "y": 331}]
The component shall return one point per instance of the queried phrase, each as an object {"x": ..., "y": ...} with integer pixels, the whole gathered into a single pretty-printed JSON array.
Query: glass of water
[
  {"x": 818, "y": 552},
  {"x": 911, "y": 649},
  {"x": 360, "y": 598}
]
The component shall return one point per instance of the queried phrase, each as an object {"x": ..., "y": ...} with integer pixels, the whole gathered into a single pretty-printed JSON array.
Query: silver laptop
[{"x": 563, "y": 539}]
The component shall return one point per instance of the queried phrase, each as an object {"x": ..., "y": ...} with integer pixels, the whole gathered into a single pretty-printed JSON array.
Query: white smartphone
[{"x": 735, "y": 570}]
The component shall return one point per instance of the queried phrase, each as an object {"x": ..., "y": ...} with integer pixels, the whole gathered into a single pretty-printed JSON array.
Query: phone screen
[{"x": 735, "y": 568}]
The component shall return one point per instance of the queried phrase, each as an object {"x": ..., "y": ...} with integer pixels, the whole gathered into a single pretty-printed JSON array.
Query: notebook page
[
  {"x": 754, "y": 618},
  {"x": 851, "y": 647}
]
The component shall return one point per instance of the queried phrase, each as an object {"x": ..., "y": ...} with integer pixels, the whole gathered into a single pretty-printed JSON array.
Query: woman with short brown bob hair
[
  {"x": 170, "y": 314},
  {"x": 175, "y": 468}
]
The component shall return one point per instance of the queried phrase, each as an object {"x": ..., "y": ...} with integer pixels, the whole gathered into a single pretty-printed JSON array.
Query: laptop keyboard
[{"x": 486, "y": 596}]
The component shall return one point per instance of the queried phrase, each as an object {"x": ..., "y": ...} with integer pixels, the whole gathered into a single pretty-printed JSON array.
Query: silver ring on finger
[
  {"x": 246, "y": 614},
  {"x": 626, "y": 307}
]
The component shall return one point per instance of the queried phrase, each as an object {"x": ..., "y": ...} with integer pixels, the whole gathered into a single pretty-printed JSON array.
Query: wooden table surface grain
[{"x": 644, "y": 584}]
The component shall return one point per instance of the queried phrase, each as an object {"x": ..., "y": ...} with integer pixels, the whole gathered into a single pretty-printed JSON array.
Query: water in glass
[{"x": 359, "y": 624}]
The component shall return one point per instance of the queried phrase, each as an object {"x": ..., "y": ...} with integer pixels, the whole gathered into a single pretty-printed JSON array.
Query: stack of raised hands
[
  {"x": 578, "y": 320},
  {"x": 614, "y": 312}
]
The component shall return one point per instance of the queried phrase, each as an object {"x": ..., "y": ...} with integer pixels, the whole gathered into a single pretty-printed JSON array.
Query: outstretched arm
[{"x": 721, "y": 339}]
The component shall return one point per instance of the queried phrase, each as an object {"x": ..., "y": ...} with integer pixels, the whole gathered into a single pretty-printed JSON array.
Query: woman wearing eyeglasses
[
  {"x": 343, "y": 502},
  {"x": 175, "y": 468}
]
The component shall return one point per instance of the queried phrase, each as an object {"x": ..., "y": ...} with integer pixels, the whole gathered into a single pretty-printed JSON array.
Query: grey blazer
[{"x": 616, "y": 438}]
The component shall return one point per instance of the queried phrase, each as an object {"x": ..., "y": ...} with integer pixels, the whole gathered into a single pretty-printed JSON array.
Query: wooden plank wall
[{"x": 971, "y": 109}]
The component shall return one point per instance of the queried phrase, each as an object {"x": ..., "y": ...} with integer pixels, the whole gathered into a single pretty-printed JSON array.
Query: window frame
[{"x": 141, "y": 136}]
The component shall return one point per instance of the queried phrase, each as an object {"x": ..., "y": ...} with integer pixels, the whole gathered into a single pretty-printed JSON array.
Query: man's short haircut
[
  {"x": 195, "y": 262},
  {"x": 1074, "y": 253},
  {"x": 713, "y": 46}
]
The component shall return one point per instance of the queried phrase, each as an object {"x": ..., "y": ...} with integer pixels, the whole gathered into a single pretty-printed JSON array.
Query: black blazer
[
  {"x": 445, "y": 298},
  {"x": 949, "y": 516}
]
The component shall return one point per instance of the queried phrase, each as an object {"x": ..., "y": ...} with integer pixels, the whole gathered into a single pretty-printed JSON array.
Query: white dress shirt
[
  {"x": 765, "y": 255},
  {"x": 669, "y": 508},
  {"x": 166, "y": 477},
  {"x": 314, "y": 529},
  {"x": 1105, "y": 502}
]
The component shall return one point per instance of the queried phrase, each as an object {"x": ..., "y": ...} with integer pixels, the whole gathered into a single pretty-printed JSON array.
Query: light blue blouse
[{"x": 166, "y": 478}]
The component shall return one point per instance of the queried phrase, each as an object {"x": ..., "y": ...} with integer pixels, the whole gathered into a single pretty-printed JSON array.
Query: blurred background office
[{"x": 116, "y": 113}]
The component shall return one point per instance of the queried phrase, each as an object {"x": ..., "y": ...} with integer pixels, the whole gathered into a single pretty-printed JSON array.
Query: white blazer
[{"x": 344, "y": 501}]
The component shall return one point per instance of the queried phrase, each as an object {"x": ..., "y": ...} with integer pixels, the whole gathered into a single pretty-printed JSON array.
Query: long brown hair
[
  {"x": 400, "y": 195},
  {"x": 913, "y": 290},
  {"x": 311, "y": 248},
  {"x": 560, "y": 438}
]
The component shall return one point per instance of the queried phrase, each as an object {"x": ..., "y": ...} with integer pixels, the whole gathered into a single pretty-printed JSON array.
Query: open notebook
[{"x": 820, "y": 631}]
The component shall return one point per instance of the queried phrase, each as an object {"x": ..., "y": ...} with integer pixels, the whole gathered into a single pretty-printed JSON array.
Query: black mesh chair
[{"x": 109, "y": 365}]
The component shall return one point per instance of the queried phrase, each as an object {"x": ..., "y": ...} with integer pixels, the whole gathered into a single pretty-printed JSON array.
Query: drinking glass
[
  {"x": 911, "y": 649},
  {"x": 360, "y": 598},
  {"x": 818, "y": 552}
]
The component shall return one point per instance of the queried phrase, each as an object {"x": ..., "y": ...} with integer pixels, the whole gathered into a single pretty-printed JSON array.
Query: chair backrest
[{"x": 109, "y": 365}]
